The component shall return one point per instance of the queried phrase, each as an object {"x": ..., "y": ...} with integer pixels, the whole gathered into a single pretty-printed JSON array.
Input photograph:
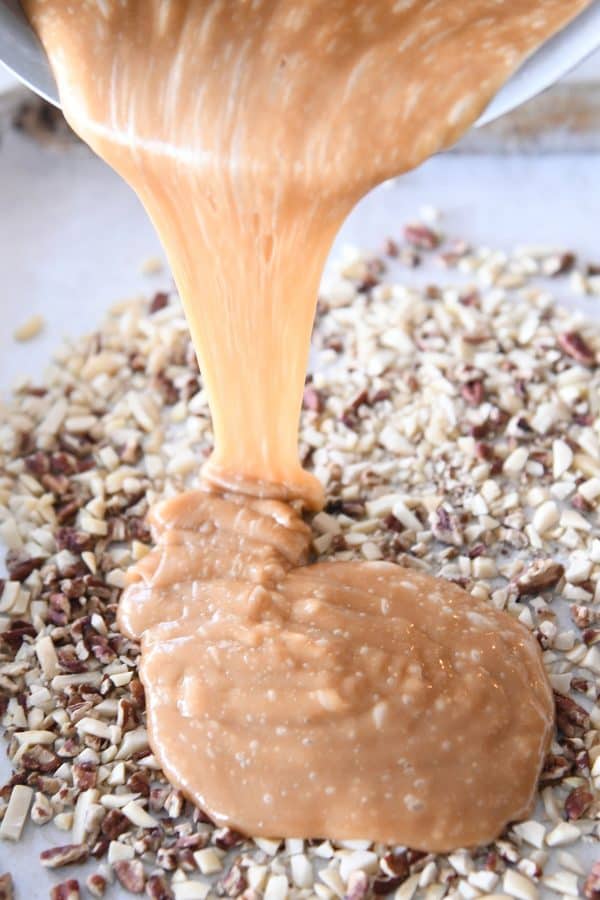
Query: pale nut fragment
[{"x": 29, "y": 329}]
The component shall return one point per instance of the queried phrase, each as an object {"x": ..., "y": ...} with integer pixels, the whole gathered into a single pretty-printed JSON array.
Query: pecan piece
[
  {"x": 71, "y": 539},
  {"x": 233, "y": 883},
  {"x": 6, "y": 887},
  {"x": 541, "y": 575},
  {"x": 591, "y": 888},
  {"x": 114, "y": 824},
  {"x": 473, "y": 392},
  {"x": 157, "y": 888},
  {"x": 40, "y": 759},
  {"x": 226, "y": 838},
  {"x": 312, "y": 399},
  {"x": 131, "y": 875},
  {"x": 56, "y": 857},
  {"x": 578, "y": 802},
  {"x": 85, "y": 775},
  {"x": 421, "y": 237},
  {"x": 555, "y": 769},
  {"x": 444, "y": 526},
  {"x": 96, "y": 884},
  {"x": 575, "y": 346},
  {"x": 19, "y": 570},
  {"x": 66, "y": 890},
  {"x": 571, "y": 719},
  {"x": 158, "y": 302}
]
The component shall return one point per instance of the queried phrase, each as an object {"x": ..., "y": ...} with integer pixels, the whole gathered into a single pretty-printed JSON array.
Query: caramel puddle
[{"x": 338, "y": 699}]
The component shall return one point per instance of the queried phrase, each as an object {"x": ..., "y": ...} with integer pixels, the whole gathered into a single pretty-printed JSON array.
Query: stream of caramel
[{"x": 339, "y": 699}]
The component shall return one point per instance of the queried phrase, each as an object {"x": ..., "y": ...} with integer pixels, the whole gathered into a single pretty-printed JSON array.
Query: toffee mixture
[{"x": 338, "y": 699}]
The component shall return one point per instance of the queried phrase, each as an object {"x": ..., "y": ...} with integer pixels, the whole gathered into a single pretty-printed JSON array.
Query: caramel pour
[{"x": 336, "y": 699}]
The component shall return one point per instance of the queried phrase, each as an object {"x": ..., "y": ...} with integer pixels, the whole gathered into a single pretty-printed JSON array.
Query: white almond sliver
[{"x": 16, "y": 813}]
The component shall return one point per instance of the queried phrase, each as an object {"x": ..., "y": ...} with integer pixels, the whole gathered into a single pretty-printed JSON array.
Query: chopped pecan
[
  {"x": 385, "y": 885},
  {"x": 581, "y": 615},
  {"x": 571, "y": 719},
  {"x": 591, "y": 888},
  {"x": 158, "y": 302},
  {"x": 56, "y": 857},
  {"x": 85, "y": 775},
  {"x": 136, "y": 690},
  {"x": 96, "y": 884},
  {"x": 562, "y": 264},
  {"x": 541, "y": 575},
  {"x": 66, "y": 890},
  {"x": 395, "y": 864},
  {"x": 131, "y": 875},
  {"x": 312, "y": 399},
  {"x": 196, "y": 841},
  {"x": 157, "y": 798},
  {"x": 72, "y": 539},
  {"x": 473, "y": 392},
  {"x": 578, "y": 802},
  {"x": 127, "y": 718},
  {"x": 393, "y": 524},
  {"x": 421, "y": 237},
  {"x": 6, "y": 887},
  {"x": 19, "y": 570},
  {"x": 139, "y": 783},
  {"x": 166, "y": 858},
  {"x": 114, "y": 824},
  {"x": 444, "y": 526},
  {"x": 226, "y": 838},
  {"x": 157, "y": 888},
  {"x": 233, "y": 883},
  {"x": 37, "y": 463},
  {"x": 555, "y": 769},
  {"x": 40, "y": 758},
  {"x": 69, "y": 661},
  {"x": 17, "y": 633},
  {"x": 575, "y": 346}
]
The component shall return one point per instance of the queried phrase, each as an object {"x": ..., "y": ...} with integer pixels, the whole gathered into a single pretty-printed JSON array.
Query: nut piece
[
  {"x": 578, "y": 802},
  {"x": 358, "y": 886},
  {"x": 29, "y": 329},
  {"x": 131, "y": 875},
  {"x": 96, "y": 884},
  {"x": 541, "y": 575},
  {"x": 591, "y": 888},
  {"x": 6, "y": 887},
  {"x": 16, "y": 813},
  {"x": 577, "y": 348},
  {"x": 157, "y": 888},
  {"x": 56, "y": 857},
  {"x": 41, "y": 811},
  {"x": 66, "y": 890}
]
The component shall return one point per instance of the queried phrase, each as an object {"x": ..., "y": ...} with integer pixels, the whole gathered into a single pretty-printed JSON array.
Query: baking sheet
[{"x": 73, "y": 239}]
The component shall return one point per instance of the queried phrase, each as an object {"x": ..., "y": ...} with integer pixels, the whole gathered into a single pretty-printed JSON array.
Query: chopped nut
[
  {"x": 96, "y": 884},
  {"x": 29, "y": 329},
  {"x": 578, "y": 802},
  {"x": 66, "y": 890},
  {"x": 541, "y": 575},
  {"x": 591, "y": 888},
  {"x": 131, "y": 875},
  {"x": 575, "y": 346},
  {"x": 6, "y": 887},
  {"x": 56, "y": 857},
  {"x": 157, "y": 888},
  {"x": 16, "y": 812}
]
